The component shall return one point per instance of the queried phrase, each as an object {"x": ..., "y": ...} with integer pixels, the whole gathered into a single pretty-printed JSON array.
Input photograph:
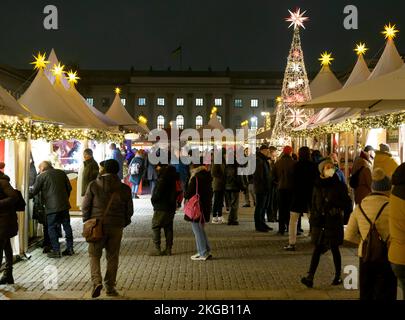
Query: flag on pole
[{"x": 177, "y": 51}]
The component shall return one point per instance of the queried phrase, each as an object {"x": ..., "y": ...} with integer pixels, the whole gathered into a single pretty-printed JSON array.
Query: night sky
[{"x": 246, "y": 35}]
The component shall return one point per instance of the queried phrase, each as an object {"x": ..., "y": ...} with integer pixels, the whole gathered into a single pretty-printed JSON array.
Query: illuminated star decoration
[
  {"x": 390, "y": 32},
  {"x": 295, "y": 67},
  {"x": 297, "y": 19},
  {"x": 58, "y": 70},
  {"x": 296, "y": 117},
  {"x": 40, "y": 62},
  {"x": 72, "y": 77},
  {"x": 117, "y": 90},
  {"x": 142, "y": 119},
  {"x": 361, "y": 49},
  {"x": 326, "y": 59}
]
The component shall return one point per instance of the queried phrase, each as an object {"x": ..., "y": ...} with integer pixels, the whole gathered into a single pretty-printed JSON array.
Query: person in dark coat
[
  {"x": 117, "y": 156},
  {"x": 262, "y": 187},
  {"x": 232, "y": 188},
  {"x": 136, "y": 171},
  {"x": 272, "y": 208},
  {"x": 107, "y": 192},
  {"x": 201, "y": 176},
  {"x": 362, "y": 166},
  {"x": 55, "y": 188},
  {"x": 151, "y": 174},
  {"x": 8, "y": 226},
  {"x": 284, "y": 177},
  {"x": 305, "y": 173},
  {"x": 218, "y": 187},
  {"x": 90, "y": 170},
  {"x": 164, "y": 201},
  {"x": 330, "y": 204}
]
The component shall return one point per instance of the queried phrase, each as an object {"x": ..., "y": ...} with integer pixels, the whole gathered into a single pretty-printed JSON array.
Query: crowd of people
[{"x": 282, "y": 189}]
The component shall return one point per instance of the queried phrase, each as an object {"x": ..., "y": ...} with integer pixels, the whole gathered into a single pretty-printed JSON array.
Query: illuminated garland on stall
[
  {"x": 389, "y": 121},
  {"x": 20, "y": 130}
]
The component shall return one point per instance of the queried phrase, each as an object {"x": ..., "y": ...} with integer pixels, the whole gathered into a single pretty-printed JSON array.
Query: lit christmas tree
[{"x": 295, "y": 89}]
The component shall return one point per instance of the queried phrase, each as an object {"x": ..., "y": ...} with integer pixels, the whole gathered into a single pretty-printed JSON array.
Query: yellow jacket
[
  {"x": 358, "y": 227},
  {"x": 396, "y": 253},
  {"x": 385, "y": 161}
]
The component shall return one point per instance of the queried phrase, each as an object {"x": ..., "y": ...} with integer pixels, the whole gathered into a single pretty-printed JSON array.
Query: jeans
[
  {"x": 316, "y": 256},
  {"x": 54, "y": 220},
  {"x": 250, "y": 193},
  {"x": 218, "y": 203},
  {"x": 163, "y": 220},
  {"x": 377, "y": 281},
  {"x": 112, "y": 244},
  {"x": 5, "y": 246},
  {"x": 135, "y": 188},
  {"x": 262, "y": 202},
  {"x": 294, "y": 218},
  {"x": 234, "y": 204},
  {"x": 285, "y": 199},
  {"x": 152, "y": 184},
  {"x": 201, "y": 240},
  {"x": 399, "y": 271}
]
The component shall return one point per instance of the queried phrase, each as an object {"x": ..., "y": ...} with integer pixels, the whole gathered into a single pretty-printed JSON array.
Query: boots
[
  {"x": 167, "y": 251},
  {"x": 308, "y": 280},
  {"x": 156, "y": 251},
  {"x": 7, "y": 277}
]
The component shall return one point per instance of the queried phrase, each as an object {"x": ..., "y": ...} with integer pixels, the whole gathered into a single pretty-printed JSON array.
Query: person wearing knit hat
[
  {"x": 377, "y": 279},
  {"x": 331, "y": 205},
  {"x": 288, "y": 150},
  {"x": 381, "y": 183}
]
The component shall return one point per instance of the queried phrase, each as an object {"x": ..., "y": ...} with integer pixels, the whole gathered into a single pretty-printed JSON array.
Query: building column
[
  {"x": 170, "y": 114},
  {"x": 189, "y": 120},
  {"x": 150, "y": 110},
  {"x": 209, "y": 103},
  {"x": 227, "y": 114}
]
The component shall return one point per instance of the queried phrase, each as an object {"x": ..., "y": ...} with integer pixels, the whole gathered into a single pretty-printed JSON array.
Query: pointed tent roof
[
  {"x": 43, "y": 100},
  {"x": 324, "y": 82},
  {"x": 214, "y": 122},
  {"x": 390, "y": 61},
  {"x": 360, "y": 73},
  {"x": 118, "y": 113},
  {"x": 53, "y": 60},
  {"x": 9, "y": 105}
]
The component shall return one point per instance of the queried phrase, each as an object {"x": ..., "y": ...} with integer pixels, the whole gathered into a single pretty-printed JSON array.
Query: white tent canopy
[
  {"x": 390, "y": 61},
  {"x": 53, "y": 60},
  {"x": 324, "y": 82},
  {"x": 120, "y": 115},
  {"x": 360, "y": 73},
  {"x": 10, "y": 107}
]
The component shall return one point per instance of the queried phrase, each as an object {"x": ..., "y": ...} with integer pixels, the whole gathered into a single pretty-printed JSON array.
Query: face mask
[{"x": 329, "y": 173}]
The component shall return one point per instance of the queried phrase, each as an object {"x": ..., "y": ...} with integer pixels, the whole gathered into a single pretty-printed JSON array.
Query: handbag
[
  {"x": 192, "y": 208},
  {"x": 93, "y": 228}
]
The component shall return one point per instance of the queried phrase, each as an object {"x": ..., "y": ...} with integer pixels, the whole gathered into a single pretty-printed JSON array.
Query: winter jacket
[
  {"x": 364, "y": 187},
  {"x": 136, "y": 178},
  {"x": 358, "y": 227},
  {"x": 330, "y": 203},
  {"x": 284, "y": 173},
  {"x": 233, "y": 181},
  {"x": 261, "y": 177},
  {"x": 116, "y": 155},
  {"x": 385, "y": 161},
  {"x": 8, "y": 215},
  {"x": 396, "y": 253},
  {"x": 218, "y": 177},
  {"x": 151, "y": 173},
  {"x": 90, "y": 173},
  {"x": 98, "y": 195},
  {"x": 305, "y": 173},
  {"x": 204, "y": 190},
  {"x": 164, "y": 195},
  {"x": 55, "y": 188}
]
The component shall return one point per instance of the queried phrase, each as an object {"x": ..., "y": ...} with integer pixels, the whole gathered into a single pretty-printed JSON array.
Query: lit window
[
  {"x": 160, "y": 122},
  {"x": 198, "y": 122},
  {"x": 180, "y": 122},
  {"x": 142, "y": 102},
  {"x": 238, "y": 103},
  {"x": 90, "y": 101},
  {"x": 253, "y": 123},
  {"x": 124, "y": 101},
  {"x": 218, "y": 102},
  {"x": 161, "y": 102},
  {"x": 254, "y": 103},
  {"x": 199, "y": 102},
  {"x": 180, "y": 102}
]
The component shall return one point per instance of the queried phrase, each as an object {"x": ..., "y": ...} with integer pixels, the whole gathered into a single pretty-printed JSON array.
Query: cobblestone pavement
[{"x": 246, "y": 265}]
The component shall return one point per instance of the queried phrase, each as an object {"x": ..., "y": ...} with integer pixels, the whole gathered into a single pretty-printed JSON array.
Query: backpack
[
  {"x": 374, "y": 249},
  {"x": 135, "y": 168},
  {"x": 192, "y": 208},
  {"x": 355, "y": 179}
]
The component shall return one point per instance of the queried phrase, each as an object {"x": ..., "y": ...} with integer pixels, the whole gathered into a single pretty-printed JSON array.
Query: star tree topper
[{"x": 297, "y": 19}]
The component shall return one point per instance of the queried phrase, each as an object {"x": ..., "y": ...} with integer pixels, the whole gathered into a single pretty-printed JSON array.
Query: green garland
[
  {"x": 388, "y": 121},
  {"x": 20, "y": 130}
]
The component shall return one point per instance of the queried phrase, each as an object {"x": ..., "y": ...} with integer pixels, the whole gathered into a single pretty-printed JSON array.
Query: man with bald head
[{"x": 55, "y": 189}]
